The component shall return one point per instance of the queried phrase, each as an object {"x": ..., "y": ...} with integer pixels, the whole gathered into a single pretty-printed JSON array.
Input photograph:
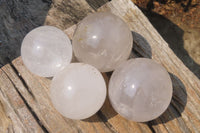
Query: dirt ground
[{"x": 178, "y": 21}]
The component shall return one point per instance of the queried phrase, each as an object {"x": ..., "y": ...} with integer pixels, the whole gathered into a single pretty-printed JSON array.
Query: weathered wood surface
[{"x": 24, "y": 98}]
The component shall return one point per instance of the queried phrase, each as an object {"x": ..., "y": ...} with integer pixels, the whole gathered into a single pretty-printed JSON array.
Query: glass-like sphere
[
  {"x": 46, "y": 50},
  {"x": 78, "y": 91},
  {"x": 103, "y": 40},
  {"x": 140, "y": 89}
]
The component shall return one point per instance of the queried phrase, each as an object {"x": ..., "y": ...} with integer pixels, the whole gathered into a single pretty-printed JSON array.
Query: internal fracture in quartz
[
  {"x": 140, "y": 89},
  {"x": 102, "y": 40},
  {"x": 78, "y": 91},
  {"x": 46, "y": 50}
]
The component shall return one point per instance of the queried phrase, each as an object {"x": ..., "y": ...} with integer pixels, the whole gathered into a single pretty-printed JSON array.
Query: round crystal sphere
[
  {"x": 140, "y": 89},
  {"x": 46, "y": 50},
  {"x": 103, "y": 40},
  {"x": 78, "y": 91}
]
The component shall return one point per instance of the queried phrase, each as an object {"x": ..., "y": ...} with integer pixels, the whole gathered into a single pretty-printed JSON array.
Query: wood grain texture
[
  {"x": 186, "y": 98},
  {"x": 25, "y": 105}
]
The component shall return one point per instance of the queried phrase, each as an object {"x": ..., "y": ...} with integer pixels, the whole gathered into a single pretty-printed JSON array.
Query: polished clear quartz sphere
[
  {"x": 102, "y": 40},
  {"x": 78, "y": 91},
  {"x": 140, "y": 89},
  {"x": 46, "y": 50}
]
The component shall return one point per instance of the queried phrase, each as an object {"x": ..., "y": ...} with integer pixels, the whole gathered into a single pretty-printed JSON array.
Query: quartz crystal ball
[
  {"x": 46, "y": 50},
  {"x": 78, "y": 91},
  {"x": 140, "y": 89},
  {"x": 102, "y": 40}
]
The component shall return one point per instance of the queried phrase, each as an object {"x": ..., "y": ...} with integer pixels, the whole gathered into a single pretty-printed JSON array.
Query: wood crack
[
  {"x": 22, "y": 80},
  {"x": 27, "y": 105},
  {"x": 105, "y": 120},
  {"x": 150, "y": 125}
]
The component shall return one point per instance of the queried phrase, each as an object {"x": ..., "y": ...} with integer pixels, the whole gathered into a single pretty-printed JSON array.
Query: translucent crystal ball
[
  {"x": 140, "y": 89},
  {"x": 102, "y": 40},
  {"x": 78, "y": 91},
  {"x": 46, "y": 50}
]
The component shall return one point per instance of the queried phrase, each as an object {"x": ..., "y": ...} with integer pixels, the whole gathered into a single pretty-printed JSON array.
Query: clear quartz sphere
[
  {"x": 103, "y": 40},
  {"x": 78, "y": 91},
  {"x": 140, "y": 89},
  {"x": 46, "y": 50}
]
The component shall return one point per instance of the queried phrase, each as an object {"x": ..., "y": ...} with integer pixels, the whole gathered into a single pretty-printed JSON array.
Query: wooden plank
[
  {"x": 149, "y": 43},
  {"x": 65, "y": 13},
  {"x": 35, "y": 91},
  {"x": 25, "y": 102},
  {"x": 183, "y": 115},
  {"x": 16, "y": 116}
]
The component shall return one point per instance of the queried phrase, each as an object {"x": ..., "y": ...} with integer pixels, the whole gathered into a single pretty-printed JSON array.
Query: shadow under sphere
[
  {"x": 177, "y": 105},
  {"x": 173, "y": 35}
]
